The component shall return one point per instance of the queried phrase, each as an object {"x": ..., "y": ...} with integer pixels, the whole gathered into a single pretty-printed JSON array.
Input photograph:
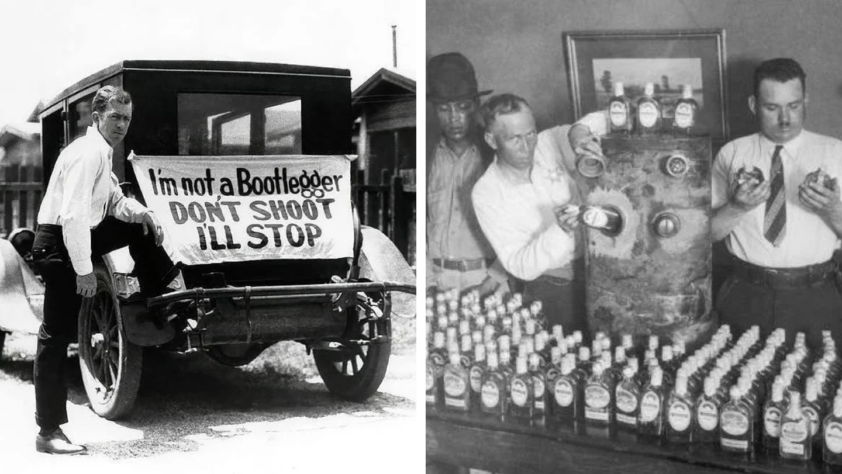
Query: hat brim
[{"x": 444, "y": 100}]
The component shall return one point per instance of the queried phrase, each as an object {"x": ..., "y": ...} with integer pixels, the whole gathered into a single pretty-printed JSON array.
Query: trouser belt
[
  {"x": 461, "y": 265},
  {"x": 786, "y": 278}
]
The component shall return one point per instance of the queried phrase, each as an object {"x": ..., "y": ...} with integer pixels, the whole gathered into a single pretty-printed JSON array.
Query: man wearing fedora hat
[{"x": 458, "y": 254}]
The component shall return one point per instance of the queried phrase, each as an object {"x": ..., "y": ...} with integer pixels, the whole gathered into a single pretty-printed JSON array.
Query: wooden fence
[
  {"x": 21, "y": 190},
  {"x": 390, "y": 207}
]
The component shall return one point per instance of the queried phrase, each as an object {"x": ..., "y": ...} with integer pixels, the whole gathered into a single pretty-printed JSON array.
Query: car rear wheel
[
  {"x": 356, "y": 372},
  {"x": 111, "y": 365},
  {"x": 235, "y": 355}
]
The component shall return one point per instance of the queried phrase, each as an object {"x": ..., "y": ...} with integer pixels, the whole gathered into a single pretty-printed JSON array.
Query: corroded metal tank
[{"x": 653, "y": 274}]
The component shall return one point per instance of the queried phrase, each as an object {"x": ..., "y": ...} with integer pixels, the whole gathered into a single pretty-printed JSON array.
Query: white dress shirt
[
  {"x": 81, "y": 192},
  {"x": 519, "y": 218},
  {"x": 808, "y": 239}
]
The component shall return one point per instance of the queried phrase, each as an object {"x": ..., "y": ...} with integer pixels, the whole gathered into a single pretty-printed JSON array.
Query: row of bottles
[
  {"x": 498, "y": 362},
  {"x": 646, "y": 115}
]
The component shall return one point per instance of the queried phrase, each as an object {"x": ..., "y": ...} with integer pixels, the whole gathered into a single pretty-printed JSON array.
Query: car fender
[
  {"x": 140, "y": 330},
  {"x": 21, "y": 293},
  {"x": 380, "y": 260}
]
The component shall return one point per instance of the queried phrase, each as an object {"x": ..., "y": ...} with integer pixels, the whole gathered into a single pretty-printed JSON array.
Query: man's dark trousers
[{"x": 153, "y": 268}]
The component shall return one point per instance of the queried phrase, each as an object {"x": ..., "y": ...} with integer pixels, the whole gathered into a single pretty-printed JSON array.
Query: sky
[{"x": 47, "y": 45}]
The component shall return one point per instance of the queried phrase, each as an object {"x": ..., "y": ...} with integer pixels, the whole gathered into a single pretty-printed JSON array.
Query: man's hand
[
  {"x": 86, "y": 285},
  {"x": 748, "y": 195},
  {"x": 824, "y": 202},
  {"x": 151, "y": 224},
  {"x": 567, "y": 218}
]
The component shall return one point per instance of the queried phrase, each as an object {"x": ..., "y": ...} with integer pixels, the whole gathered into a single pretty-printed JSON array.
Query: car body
[{"x": 235, "y": 304}]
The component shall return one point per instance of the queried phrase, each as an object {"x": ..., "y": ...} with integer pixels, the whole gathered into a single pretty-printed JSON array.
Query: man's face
[
  {"x": 456, "y": 119},
  {"x": 513, "y": 136},
  {"x": 113, "y": 123},
  {"x": 781, "y": 108}
]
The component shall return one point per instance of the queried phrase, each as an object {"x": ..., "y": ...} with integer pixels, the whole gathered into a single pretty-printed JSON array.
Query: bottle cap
[
  {"x": 666, "y": 353},
  {"x": 628, "y": 372},
  {"x": 555, "y": 355},
  {"x": 536, "y": 307},
  {"x": 476, "y": 337},
  {"x": 656, "y": 377},
  {"x": 438, "y": 340},
  {"x": 534, "y": 361},
  {"x": 466, "y": 343},
  {"x": 577, "y": 337},
  {"x": 558, "y": 332},
  {"x": 653, "y": 342},
  {"x": 584, "y": 353},
  {"x": 479, "y": 352},
  {"x": 492, "y": 360},
  {"x": 619, "y": 354},
  {"x": 627, "y": 341},
  {"x": 649, "y": 89},
  {"x": 618, "y": 89},
  {"x": 520, "y": 365},
  {"x": 687, "y": 91}
]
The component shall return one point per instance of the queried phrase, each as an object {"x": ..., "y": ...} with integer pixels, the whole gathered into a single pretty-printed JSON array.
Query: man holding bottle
[{"x": 782, "y": 226}]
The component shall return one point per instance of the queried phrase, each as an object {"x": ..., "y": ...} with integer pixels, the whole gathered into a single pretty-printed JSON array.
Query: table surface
[{"x": 469, "y": 441}]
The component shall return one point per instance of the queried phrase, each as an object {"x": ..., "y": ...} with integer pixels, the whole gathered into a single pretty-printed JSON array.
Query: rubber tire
[
  {"x": 252, "y": 351},
  {"x": 358, "y": 387},
  {"x": 122, "y": 399}
]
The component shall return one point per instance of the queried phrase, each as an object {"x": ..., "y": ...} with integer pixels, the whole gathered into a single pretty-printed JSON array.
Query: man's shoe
[{"x": 57, "y": 443}]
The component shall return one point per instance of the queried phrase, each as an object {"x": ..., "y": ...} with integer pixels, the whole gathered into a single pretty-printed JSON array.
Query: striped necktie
[{"x": 774, "y": 224}]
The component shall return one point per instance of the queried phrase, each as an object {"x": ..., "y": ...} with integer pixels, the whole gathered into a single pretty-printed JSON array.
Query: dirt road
[{"x": 194, "y": 414}]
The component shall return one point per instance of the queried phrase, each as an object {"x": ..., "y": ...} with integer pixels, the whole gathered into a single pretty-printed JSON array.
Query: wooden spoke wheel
[
  {"x": 111, "y": 365},
  {"x": 356, "y": 372}
]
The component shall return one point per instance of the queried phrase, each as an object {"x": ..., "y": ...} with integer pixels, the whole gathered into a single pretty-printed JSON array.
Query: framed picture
[{"x": 668, "y": 59}]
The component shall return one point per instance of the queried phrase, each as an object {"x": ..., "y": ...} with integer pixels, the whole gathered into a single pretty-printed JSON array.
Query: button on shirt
[
  {"x": 519, "y": 218},
  {"x": 452, "y": 228},
  {"x": 81, "y": 192},
  {"x": 808, "y": 239}
]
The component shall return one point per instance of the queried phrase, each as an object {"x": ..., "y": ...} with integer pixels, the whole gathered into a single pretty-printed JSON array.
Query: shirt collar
[
  {"x": 468, "y": 151},
  {"x": 791, "y": 147},
  {"x": 97, "y": 137}
]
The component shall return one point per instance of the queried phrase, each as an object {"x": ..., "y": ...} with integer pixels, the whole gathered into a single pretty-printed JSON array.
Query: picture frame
[{"x": 669, "y": 59}]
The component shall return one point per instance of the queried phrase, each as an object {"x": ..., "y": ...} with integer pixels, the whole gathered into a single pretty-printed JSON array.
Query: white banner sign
[{"x": 236, "y": 208}]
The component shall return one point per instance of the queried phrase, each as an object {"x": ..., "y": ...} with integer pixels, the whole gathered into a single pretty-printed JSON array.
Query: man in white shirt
[
  {"x": 520, "y": 203},
  {"x": 83, "y": 216},
  {"x": 781, "y": 232}
]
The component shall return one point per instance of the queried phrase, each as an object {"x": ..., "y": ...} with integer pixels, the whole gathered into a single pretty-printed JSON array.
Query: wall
[{"x": 516, "y": 46}]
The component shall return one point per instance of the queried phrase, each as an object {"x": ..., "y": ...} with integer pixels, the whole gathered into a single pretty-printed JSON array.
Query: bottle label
[
  {"x": 431, "y": 377},
  {"x": 597, "y": 397},
  {"x": 794, "y": 431},
  {"x": 833, "y": 437},
  {"x": 490, "y": 395},
  {"x": 707, "y": 416},
  {"x": 618, "y": 113},
  {"x": 650, "y": 406},
  {"x": 684, "y": 115},
  {"x": 520, "y": 394},
  {"x": 772, "y": 422},
  {"x": 647, "y": 114},
  {"x": 734, "y": 423},
  {"x": 813, "y": 415},
  {"x": 679, "y": 416},
  {"x": 626, "y": 401},
  {"x": 563, "y": 393},
  {"x": 454, "y": 384},
  {"x": 789, "y": 447},
  {"x": 538, "y": 389},
  {"x": 741, "y": 444},
  {"x": 626, "y": 419},
  {"x": 476, "y": 379}
]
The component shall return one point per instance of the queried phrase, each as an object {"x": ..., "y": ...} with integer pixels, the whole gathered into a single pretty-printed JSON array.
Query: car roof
[{"x": 196, "y": 66}]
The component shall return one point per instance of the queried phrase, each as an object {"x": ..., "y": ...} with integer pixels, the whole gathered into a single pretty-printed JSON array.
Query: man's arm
[
  {"x": 732, "y": 201},
  {"x": 79, "y": 175},
  {"x": 824, "y": 202},
  {"x": 525, "y": 256},
  {"x": 129, "y": 210}
]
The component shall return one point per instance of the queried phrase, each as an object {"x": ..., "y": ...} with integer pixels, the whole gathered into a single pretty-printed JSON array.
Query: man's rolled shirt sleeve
[
  {"x": 525, "y": 256},
  {"x": 124, "y": 208}
]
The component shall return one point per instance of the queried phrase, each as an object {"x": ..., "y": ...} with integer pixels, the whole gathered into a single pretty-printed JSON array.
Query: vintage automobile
[{"x": 293, "y": 264}]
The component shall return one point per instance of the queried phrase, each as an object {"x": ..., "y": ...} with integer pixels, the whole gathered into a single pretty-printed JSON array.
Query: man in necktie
[{"x": 781, "y": 229}]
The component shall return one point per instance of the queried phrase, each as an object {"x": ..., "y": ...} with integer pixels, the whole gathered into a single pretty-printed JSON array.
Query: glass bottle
[
  {"x": 521, "y": 394},
  {"x": 476, "y": 373},
  {"x": 539, "y": 386},
  {"x": 707, "y": 410},
  {"x": 566, "y": 401},
  {"x": 686, "y": 112},
  {"x": 494, "y": 388},
  {"x": 813, "y": 409},
  {"x": 735, "y": 425},
  {"x": 436, "y": 360},
  {"x": 620, "y": 111},
  {"x": 433, "y": 384},
  {"x": 648, "y": 111},
  {"x": 796, "y": 438},
  {"x": 650, "y": 421},
  {"x": 773, "y": 413},
  {"x": 832, "y": 435},
  {"x": 457, "y": 392},
  {"x": 627, "y": 401},
  {"x": 680, "y": 412},
  {"x": 598, "y": 407}
]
